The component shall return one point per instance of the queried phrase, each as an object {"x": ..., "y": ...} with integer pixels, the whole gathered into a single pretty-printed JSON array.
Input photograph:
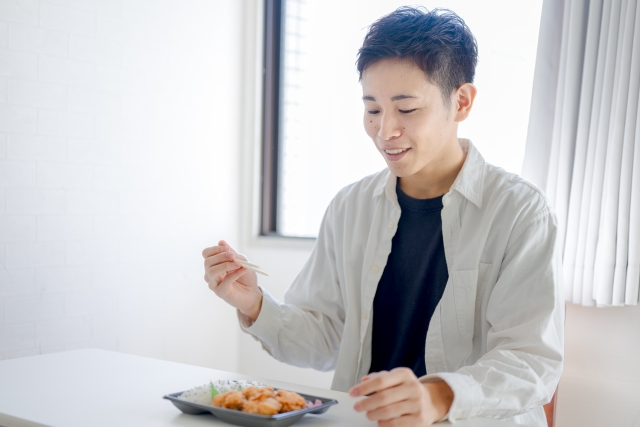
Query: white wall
[
  {"x": 601, "y": 381},
  {"x": 603, "y": 342},
  {"x": 119, "y": 149}
]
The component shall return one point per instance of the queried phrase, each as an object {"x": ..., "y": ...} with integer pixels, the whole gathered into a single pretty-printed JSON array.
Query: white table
[{"x": 95, "y": 388}]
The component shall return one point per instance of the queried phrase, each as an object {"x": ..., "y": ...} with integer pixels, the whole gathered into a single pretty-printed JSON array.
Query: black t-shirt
[{"x": 410, "y": 287}]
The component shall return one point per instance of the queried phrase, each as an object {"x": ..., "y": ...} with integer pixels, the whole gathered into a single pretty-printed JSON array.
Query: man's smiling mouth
[{"x": 396, "y": 151}]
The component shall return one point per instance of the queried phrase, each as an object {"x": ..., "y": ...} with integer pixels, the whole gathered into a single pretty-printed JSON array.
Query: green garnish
[{"x": 213, "y": 390}]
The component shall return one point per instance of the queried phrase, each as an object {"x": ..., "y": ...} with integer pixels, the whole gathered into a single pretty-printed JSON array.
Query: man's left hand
[{"x": 397, "y": 398}]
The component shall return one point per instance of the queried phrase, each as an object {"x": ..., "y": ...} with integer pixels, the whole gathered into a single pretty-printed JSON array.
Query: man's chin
[{"x": 400, "y": 172}]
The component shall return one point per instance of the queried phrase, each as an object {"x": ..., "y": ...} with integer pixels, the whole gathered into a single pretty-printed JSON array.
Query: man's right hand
[{"x": 235, "y": 284}]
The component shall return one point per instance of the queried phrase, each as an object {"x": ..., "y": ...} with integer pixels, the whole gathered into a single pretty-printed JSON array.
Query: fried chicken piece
[
  {"x": 234, "y": 400},
  {"x": 230, "y": 400},
  {"x": 218, "y": 400},
  {"x": 259, "y": 393},
  {"x": 250, "y": 407},
  {"x": 268, "y": 406},
  {"x": 291, "y": 401},
  {"x": 260, "y": 400}
]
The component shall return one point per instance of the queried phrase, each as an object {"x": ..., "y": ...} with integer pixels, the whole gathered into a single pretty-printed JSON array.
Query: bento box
[{"x": 240, "y": 418}]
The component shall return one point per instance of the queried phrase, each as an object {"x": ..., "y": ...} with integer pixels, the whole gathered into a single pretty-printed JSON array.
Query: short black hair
[{"x": 437, "y": 41}]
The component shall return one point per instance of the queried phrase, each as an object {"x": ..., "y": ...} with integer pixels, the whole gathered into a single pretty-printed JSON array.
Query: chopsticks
[{"x": 250, "y": 266}]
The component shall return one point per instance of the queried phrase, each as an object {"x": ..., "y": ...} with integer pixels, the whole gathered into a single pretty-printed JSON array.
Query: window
[{"x": 315, "y": 143}]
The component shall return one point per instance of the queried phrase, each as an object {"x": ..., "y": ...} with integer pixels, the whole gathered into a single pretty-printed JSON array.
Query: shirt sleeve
[
  {"x": 525, "y": 343},
  {"x": 306, "y": 329}
]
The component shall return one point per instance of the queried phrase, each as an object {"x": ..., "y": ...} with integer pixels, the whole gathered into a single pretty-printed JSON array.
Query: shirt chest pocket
[
  {"x": 468, "y": 292},
  {"x": 465, "y": 286}
]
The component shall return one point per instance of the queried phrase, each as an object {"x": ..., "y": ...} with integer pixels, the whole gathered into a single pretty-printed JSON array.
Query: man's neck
[{"x": 437, "y": 177}]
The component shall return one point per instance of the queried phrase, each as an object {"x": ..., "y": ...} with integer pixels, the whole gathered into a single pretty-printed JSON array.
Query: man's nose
[{"x": 389, "y": 127}]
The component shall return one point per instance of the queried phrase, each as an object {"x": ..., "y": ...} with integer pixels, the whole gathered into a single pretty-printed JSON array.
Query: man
[{"x": 434, "y": 285}]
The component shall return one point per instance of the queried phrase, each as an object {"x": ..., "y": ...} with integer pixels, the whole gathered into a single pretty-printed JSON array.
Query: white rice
[
  {"x": 222, "y": 386},
  {"x": 202, "y": 394}
]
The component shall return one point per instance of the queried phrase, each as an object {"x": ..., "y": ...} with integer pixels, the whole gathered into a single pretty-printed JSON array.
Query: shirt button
[
  {"x": 374, "y": 269},
  {"x": 365, "y": 315},
  {"x": 391, "y": 224}
]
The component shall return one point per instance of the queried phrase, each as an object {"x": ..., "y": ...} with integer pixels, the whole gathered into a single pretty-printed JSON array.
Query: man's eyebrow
[
  {"x": 393, "y": 98},
  {"x": 399, "y": 97}
]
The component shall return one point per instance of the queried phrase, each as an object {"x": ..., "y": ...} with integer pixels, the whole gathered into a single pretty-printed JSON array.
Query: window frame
[
  {"x": 271, "y": 115},
  {"x": 272, "y": 95}
]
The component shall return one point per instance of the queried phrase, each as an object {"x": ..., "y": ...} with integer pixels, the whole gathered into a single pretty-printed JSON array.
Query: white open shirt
[{"x": 496, "y": 336}]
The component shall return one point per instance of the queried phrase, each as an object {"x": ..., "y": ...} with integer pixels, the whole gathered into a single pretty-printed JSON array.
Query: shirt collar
[{"x": 469, "y": 182}]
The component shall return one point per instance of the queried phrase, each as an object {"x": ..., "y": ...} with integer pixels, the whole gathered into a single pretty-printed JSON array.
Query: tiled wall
[{"x": 119, "y": 123}]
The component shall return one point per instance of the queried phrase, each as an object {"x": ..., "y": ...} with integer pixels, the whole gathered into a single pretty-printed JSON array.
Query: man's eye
[
  {"x": 408, "y": 111},
  {"x": 373, "y": 111}
]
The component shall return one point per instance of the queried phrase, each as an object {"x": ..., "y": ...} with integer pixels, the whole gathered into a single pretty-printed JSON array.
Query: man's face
[{"x": 406, "y": 118}]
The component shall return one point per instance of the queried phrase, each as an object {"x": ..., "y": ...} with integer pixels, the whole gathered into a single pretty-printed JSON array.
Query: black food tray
[{"x": 240, "y": 418}]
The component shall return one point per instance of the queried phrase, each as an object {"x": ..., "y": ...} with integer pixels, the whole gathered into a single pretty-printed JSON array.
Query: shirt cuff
[
  {"x": 269, "y": 321},
  {"x": 467, "y": 397}
]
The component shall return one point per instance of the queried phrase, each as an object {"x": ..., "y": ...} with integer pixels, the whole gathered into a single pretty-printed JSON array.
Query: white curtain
[{"x": 583, "y": 143}]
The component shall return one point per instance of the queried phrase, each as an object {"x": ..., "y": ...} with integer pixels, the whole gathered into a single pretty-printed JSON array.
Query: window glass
[{"x": 323, "y": 145}]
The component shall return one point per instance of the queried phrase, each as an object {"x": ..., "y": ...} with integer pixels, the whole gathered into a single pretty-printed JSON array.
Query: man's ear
[{"x": 463, "y": 98}]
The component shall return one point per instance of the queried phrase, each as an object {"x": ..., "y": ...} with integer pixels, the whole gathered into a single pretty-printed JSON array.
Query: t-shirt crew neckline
[{"x": 418, "y": 205}]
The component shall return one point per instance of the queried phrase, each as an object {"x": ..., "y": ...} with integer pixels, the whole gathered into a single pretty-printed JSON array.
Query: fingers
[
  {"x": 218, "y": 262},
  {"x": 395, "y": 398},
  {"x": 229, "y": 279},
  {"x": 214, "y": 250},
  {"x": 385, "y": 398},
  {"x": 398, "y": 398},
  {"x": 395, "y": 410},
  {"x": 382, "y": 380},
  {"x": 222, "y": 247},
  {"x": 217, "y": 273},
  {"x": 218, "y": 259},
  {"x": 221, "y": 258}
]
